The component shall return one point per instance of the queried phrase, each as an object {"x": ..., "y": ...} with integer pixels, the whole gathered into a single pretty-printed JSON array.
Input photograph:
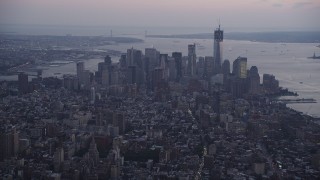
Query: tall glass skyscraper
[
  {"x": 217, "y": 51},
  {"x": 192, "y": 59}
]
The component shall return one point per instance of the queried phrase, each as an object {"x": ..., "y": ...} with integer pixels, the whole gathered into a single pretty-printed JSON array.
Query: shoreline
[{"x": 285, "y": 92}]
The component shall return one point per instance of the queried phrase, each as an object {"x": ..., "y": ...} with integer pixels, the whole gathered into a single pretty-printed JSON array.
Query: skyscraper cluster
[
  {"x": 153, "y": 71},
  {"x": 149, "y": 71}
]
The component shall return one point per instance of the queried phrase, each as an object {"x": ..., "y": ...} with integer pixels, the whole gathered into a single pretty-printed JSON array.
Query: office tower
[
  {"x": 92, "y": 95},
  {"x": 140, "y": 76},
  {"x": 163, "y": 61},
  {"x": 105, "y": 78},
  {"x": 80, "y": 69},
  {"x": 200, "y": 67},
  {"x": 108, "y": 60},
  {"x": 147, "y": 72},
  {"x": 225, "y": 69},
  {"x": 238, "y": 86},
  {"x": 23, "y": 84},
  {"x": 163, "y": 64},
  {"x": 218, "y": 38},
  {"x": 86, "y": 80},
  {"x": 192, "y": 59},
  {"x": 172, "y": 69},
  {"x": 104, "y": 68},
  {"x": 114, "y": 172},
  {"x": 123, "y": 61},
  {"x": 178, "y": 64},
  {"x": 208, "y": 67},
  {"x": 119, "y": 121},
  {"x": 153, "y": 56},
  {"x": 135, "y": 73},
  {"x": 240, "y": 67},
  {"x": 254, "y": 80},
  {"x": 270, "y": 84},
  {"x": 134, "y": 57},
  {"x": 114, "y": 77},
  {"x": 93, "y": 152},
  {"x": 184, "y": 65},
  {"x": 132, "y": 75},
  {"x": 58, "y": 159},
  {"x": 151, "y": 61},
  {"x": 157, "y": 77},
  {"x": 70, "y": 82},
  {"x": 98, "y": 74},
  {"x": 112, "y": 71},
  {"x": 9, "y": 142},
  {"x": 130, "y": 56}
]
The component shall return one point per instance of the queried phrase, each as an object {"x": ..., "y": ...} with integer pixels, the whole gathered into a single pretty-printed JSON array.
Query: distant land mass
[
  {"x": 69, "y": 37},
  {"x": 284, "y": 37}
]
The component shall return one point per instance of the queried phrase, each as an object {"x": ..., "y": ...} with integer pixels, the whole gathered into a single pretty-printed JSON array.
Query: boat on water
[{"x": 314, "y": 56}]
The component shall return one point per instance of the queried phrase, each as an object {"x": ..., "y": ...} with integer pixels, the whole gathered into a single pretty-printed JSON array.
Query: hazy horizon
[{"x": 247, "y": 14}]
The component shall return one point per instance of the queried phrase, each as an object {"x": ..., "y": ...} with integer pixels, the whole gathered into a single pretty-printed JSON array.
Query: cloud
[{"x": 277, "y": 5}]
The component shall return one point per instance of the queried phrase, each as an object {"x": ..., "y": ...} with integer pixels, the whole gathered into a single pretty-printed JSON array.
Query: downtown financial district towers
[{"x": 160, "y": 73}]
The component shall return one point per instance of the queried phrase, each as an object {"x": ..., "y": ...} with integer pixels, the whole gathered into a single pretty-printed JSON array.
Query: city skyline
[
  {"x": 285, "y": 14},
  {"x": 152, "y": 115},
  {"x": 155, "y": 116}
]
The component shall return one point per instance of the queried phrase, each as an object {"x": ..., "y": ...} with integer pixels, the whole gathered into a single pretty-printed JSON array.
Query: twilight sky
[{"x": 283, "y": 14}]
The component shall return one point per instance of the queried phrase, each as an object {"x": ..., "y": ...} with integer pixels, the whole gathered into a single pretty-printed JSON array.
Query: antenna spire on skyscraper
[{"x": 217, "y": 52}]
